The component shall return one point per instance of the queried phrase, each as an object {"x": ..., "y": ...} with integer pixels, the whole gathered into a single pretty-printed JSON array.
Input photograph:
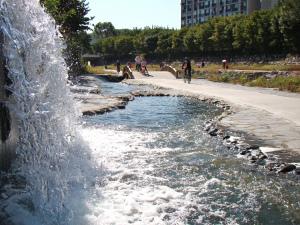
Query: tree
[
  {"x": 123, "y": 45},
  {"x": 289, "y": 22},
  {"x": 108, "y": 46},
  {"x": 164, "y": 43},
  {"x": 72, "y": 18},
  {"x": 104, "y": 30},
  {"x": 177, "y": 41}
]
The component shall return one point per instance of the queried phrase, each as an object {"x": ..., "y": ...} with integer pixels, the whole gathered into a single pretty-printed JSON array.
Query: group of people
[
  {"x": 187, "y": 70},
  {"x": 141, "y": 64}
]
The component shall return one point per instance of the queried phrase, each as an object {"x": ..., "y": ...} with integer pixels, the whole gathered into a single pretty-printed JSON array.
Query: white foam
[{"x": 213, "y": 182}]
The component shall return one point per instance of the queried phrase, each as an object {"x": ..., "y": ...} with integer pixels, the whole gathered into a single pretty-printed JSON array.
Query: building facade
[
  {"x": 268, "y": 4},
  {"x": 199, "y": 11}
]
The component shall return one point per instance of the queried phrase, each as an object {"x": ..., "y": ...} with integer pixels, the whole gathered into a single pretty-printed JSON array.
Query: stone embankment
[
  {"x": 89, "y": 98},
  {"x": 91, "y": 102}
]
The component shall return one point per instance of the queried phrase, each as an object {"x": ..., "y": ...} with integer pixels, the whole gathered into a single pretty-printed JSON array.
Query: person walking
[
  {"x": 187, "y": 68},
  {"x": 118, "y": 64},
  {"x": 138, "y": 61},
  {"x": 144, "y": 67}
]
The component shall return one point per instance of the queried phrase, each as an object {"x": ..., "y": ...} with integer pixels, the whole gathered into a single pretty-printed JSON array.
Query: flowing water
[
  {"x": 53, "y": 163},
  {"x": 148, "y": 164},
  {"x": 163, "y": 169}
]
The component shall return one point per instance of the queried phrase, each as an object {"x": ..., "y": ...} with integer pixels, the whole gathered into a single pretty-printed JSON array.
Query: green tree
[
  {"x": 108, "y": 46},
  {"x": 72, "y": 17},
  {"x": 289, "y": 22},
  {"x": 164, "y": 43},
  {"x": 178, "y": 46},
  {"x": 123, "y": 45},
  {"x": 104, "y": 30}
]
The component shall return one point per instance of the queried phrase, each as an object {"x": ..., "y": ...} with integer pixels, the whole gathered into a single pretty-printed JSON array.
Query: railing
[
  {"x": 172, "y": 70},
  {"x": 127, "y": 73}
]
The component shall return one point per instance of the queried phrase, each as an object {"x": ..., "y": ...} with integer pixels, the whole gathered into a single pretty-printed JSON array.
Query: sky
[{"x": 136, "y": 13}]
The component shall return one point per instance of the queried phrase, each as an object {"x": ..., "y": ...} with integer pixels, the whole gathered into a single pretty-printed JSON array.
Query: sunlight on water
[{"x": 166, "y": 170}]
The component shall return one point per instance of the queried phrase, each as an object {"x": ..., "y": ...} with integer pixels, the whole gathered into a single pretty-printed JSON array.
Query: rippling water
[{"x": 162, "y": 169}]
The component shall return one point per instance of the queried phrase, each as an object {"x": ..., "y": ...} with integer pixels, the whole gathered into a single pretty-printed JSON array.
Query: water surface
[{"x": 163, "y": 169}]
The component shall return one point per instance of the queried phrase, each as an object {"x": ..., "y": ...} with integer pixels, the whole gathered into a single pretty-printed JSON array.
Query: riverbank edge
[{"x": 253, "y": 153}]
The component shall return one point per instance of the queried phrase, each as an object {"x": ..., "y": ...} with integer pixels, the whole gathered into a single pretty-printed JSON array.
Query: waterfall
[{"x": 51, "y": 156}]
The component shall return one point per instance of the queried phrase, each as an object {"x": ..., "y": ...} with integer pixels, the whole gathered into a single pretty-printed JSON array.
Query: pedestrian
[
  {"x": 144, "y": 67},
  {"x": 138, "y": 61},
  {"x": 118, "y": 64},
  {"x": 187, "y": 69},
  {"x": 224, "y": 63},
  {"x": 202, "y": 64}
]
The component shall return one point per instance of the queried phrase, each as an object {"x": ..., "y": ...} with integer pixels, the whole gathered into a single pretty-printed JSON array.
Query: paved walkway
[{"x": 272, "y": 115}]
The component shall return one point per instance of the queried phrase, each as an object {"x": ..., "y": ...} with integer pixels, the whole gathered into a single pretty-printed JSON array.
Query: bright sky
[{"x": 136, "y": 13}]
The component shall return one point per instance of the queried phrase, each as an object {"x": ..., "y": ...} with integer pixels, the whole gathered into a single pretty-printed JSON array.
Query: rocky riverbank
[
  {"x": 255, "y": 147},
  {"x": 243, "y": 145}
]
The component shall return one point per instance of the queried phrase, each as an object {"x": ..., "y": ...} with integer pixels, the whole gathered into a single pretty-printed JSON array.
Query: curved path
[{"x": 271, "y": 115}]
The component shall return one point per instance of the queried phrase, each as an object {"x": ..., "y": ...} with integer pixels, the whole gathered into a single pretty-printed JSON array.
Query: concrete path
[{"x": 271, "y": 115}]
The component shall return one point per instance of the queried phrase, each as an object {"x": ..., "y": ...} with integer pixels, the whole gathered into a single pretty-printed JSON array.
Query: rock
[
  {"x": 253, "y": 147},
  {"x": 244, "y": 152},
  {"x": 287, "y": 168},
  {"x": 121, "y": 106},
  {"x": 252, "y": 158},
  {"x": 297, "y": 171},
  {"x": 226, "y": 137},
  {"x": 213, "y": 132},
  {"x": 208, "y": 127},
  {"x": 262, "y": 156},
  {"x": 4, "y": 196}
]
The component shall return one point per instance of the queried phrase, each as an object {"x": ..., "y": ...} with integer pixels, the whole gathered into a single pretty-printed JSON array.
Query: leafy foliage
[
  {"x": 273, "y": 31},
  {"x": 71, "y": 16}
]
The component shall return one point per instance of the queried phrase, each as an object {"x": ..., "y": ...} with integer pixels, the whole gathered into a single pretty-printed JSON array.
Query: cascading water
[{"x": 50, "y": 155}]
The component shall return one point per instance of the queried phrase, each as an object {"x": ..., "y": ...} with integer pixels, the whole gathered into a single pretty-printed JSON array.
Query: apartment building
[
  {"x": 199, "y": 11},
  {"x": 268, "y": 4}
]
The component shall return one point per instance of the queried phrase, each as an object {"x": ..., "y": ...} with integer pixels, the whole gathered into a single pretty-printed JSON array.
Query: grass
[
  {"x": 214, "y": 68},
  {"x": 211, "y": 72},
  {"x": 100, "y": 70},
  {"x": 283, "y": 83},
  {"x": 265, "y": 67},
  {"x": 291, "y": 83}
]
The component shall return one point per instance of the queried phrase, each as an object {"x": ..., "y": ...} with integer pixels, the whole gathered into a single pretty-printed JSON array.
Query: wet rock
[
  {"x": 287, "y": 168},
  {"x": 121, "y": 106},
  {"x": 253, "y": 158},
  {"x": 244, "y": 152},
  {"x": 226, "y": 137},
  {"x": 297, "y": 171},
  {"x": 4, "y": 196},
  {"x": 208, "y": 127},
  {"x": 213, "y": 132},
  {"x": 127, "y": 177},
  {"x": 271, "y": 166},
  {"x": 262, "y": 157},
  {"x": 253, "y": 147}
]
